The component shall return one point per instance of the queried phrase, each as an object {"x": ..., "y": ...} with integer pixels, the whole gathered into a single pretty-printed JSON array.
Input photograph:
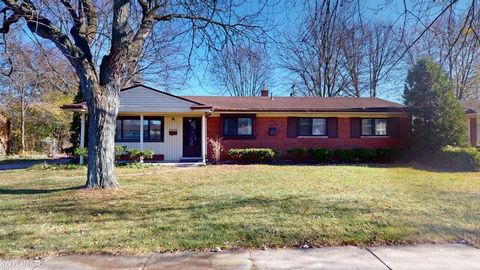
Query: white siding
[
  {"x": 141, "y": 99},
  {"x": 172, "y": 147}
]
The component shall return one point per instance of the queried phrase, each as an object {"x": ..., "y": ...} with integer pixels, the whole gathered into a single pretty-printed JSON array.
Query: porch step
[{"x": 190, "y": 160}]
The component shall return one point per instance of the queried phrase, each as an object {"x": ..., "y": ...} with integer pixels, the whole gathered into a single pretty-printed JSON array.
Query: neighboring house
[
  {"x": 472, "y": 114},
  {"x": 177, "y": 127},
  {"x": 4, "y": 134}
]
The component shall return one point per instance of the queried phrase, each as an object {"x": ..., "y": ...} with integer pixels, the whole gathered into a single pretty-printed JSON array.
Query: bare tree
[
  {"x": 313, "y": 56},
  {"x": 241, "y": 70},
  {"x": 451, "y": 42},
  {"x": 352, "y": 47},
  {"x": 382, "y": 45},
  {"x": 74, "y": 26}
]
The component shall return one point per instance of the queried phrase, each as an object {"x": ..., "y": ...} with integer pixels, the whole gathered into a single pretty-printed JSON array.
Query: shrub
[
  {"x": 344, "y": 155},
  {"x": 385, "y": 155},
  {"x": 364, "y": 155},
  {"x": 458, "y": 158},
  {"x": 139, "y": 155},
  {"x": 217, "y": 149},
  {"x": 80, "y": 152},
  {"x": 120, "y": 150},
  {"x": 298, "y": 154},
  {"x": 322, "y": 155},
  {"x": 252, "y": 155}
]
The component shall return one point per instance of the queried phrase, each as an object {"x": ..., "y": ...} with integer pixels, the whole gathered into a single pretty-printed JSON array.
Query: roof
[
  {"x": 298, "y": 104},
  {"x": 470, "y": 106},
  {"x": 278, "y": 104}
]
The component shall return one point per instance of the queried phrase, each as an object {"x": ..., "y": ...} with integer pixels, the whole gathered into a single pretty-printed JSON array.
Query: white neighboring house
[{"x": 472, "y": 115}]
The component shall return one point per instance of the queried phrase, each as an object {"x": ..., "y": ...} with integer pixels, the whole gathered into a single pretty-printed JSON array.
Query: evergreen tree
[
  {"x": 438, "y": 118},
  {"x": 76, "y": 123}
]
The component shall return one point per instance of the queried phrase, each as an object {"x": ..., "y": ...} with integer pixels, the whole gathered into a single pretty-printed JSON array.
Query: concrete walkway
[{"x": 445, "y": 256}]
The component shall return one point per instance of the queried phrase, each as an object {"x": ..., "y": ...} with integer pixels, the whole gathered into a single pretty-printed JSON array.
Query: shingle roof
[
  {"x": 298, "y": 104},
  {"x": 279, "y": 104},
  {"x": 470, "y": 106}
]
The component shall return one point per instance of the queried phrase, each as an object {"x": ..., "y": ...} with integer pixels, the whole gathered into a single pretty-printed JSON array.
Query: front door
[{"x": 192, "y": 137}]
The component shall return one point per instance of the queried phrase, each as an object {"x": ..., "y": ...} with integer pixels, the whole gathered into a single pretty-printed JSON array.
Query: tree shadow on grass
[{"x": 35, "y": 191}]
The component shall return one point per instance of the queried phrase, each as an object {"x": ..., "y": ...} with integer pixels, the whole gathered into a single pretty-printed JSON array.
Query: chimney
[{"x": 264, "y": 91}]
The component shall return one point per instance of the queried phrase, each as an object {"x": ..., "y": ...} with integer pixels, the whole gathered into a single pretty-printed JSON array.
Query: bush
[
  {"x": 458, "y": 158},
  {"x": 252, "y": 155},
  {"x": 364, "y": 155},
  {"x": 217, "y": 149},
  {"x": 298, "y": 154},
  {"x": 120, "y": 150},
  {"x": 385, "y": 155},
  {"x": 322, "y": 155},
  {"x": 80, "y": 152},
  {"x": 344, "y": 155},
  {"x": 139, "y": 155}
]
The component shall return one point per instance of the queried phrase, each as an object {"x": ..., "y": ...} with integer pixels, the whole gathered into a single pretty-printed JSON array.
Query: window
[
  {"x": 128, "y": 130},
  {"x": 238, "y": 126},
  {"x": 312, "y": 127},
  {"x": 374, "y": 127},
  {"x": 153, "y": 129}
]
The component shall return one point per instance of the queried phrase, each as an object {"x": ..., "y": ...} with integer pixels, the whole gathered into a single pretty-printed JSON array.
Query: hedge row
[
  {"x": 317, "y": 155},
  {"x": 458, "y": 158},
  {"x": 252, "y": 155},
  {"x": 325, "y": 155}
]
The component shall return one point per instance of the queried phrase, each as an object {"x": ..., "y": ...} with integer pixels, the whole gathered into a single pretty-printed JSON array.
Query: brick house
[
  {"x": 178, "y": 127},
  {"x": 472, "y": 117}
]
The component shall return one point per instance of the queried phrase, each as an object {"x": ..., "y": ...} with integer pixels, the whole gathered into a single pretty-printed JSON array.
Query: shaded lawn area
[{"x": 47, "y": 213}]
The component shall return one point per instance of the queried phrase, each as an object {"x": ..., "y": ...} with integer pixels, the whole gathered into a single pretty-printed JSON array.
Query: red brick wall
[{"x": 282, "y": 143}]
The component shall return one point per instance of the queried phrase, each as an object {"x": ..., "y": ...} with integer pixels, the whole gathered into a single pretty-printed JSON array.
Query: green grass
[{"x": 163, "y": 209}]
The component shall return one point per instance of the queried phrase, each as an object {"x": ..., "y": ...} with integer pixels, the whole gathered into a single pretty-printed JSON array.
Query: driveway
[
  {"x": 23, "y": 164},
  {"x": 429, "y": 256}
]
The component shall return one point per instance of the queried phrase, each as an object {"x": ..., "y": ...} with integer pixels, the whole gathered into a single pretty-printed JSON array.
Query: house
[
  {"x": 178, "y": 127},
  {"x": 472, "y": 115}
]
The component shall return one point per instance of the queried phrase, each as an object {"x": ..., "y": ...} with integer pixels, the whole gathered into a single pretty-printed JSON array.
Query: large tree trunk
[{"x": 103, "y": 110}]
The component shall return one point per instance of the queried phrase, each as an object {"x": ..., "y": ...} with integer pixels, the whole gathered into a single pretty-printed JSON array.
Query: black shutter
[
  {"x": 332, "y": 127},
  {"x": 473, "y": 131},
  {"x": 355, "y": 127},
  {"x": 292, "y": 125},
  {"x": 393, "y": 127}
]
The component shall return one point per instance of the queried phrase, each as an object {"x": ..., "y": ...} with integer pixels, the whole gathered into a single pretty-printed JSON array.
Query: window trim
[
  {"x": 122, "y": 118},
  {"x": 311, "y": 135},
  {"x": 162, "y": 128},
  {"x": 222, "y": 124},
  {"x": 373, "y": 128}
]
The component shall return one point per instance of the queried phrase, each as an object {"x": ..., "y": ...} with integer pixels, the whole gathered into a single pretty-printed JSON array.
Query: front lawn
[{"x": 45, "y": 212}]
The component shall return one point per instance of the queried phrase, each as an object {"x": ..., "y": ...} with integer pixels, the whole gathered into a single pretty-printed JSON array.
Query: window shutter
[
  {"x": 355, "y": 127},
  {"x": 292, "y": 124},
  {"x": 332, "y": 127},
  {"x": 473, "y": 131},
  {"x": 393, "y": 127}
]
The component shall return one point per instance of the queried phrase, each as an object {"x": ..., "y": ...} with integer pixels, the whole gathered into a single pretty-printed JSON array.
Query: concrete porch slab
[{"x": 429, "y": 256}]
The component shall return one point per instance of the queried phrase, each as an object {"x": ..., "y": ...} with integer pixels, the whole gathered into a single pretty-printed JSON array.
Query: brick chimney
[{"x": 264, "y": 91}]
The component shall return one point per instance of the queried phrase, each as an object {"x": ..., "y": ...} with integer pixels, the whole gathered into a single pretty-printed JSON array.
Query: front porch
[
  {"x": 173, "y": 138},
  {"x": 174, "y": 128}
]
